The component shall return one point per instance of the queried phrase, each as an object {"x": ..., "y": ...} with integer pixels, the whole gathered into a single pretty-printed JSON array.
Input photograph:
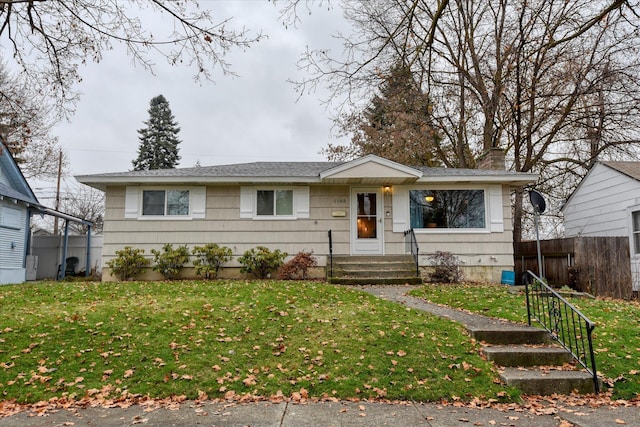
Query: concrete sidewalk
[{"x": 323, "y": 414}]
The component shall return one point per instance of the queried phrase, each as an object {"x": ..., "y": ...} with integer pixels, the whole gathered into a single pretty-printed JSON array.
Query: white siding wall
[
  {"x": 13, "y": 220},
  {"x": 599, "y": 205}
]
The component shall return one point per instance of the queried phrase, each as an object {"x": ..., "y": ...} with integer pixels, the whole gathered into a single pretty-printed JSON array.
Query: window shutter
[
  {"x": 400, "y": 205},
  {"x": 198, "y": 202},
  {"x": 301, "y": 202},
  {"x": 495, "y": 209},
  {"x": 247, "y": 202},
  {"x": 131, "y": 202}
]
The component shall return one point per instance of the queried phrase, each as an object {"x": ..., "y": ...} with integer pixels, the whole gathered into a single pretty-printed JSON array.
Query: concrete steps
[
  {"x": 374, "y": 270},
  {"x": 548, "y": 381},
  {"x": 528, "y": 360}
]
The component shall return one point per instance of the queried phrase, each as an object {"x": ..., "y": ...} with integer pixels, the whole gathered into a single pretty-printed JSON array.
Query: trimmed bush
[
  {"x": 209, "y": 259},
  {"x": 261, "y": 262},
  {"x": 128, "y": 263},
  {"x": 298, "y": 267},
  {"x": 170, "y": 262},
  {"x": 446, "y": 268}
]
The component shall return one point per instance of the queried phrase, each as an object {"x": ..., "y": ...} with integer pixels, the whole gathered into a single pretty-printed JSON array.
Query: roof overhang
[
  {"x": 370, "y": 170},
  {"x": 510, "y": 179},
  {"x": 102, "y": 182}
]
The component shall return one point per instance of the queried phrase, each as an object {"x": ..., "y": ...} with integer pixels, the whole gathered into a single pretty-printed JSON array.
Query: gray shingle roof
[
  {"x": 256, "y": 169},
  {"x": 632, "y": 169},
  {"x": 280, "y": 169}
]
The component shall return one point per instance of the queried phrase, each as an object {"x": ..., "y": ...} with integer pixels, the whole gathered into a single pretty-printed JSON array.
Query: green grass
[
  {"x": 162, "y": 339},
  {"x": 616, "y": 336}
]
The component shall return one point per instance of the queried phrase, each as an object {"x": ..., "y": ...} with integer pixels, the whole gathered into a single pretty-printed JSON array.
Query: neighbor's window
[
  {"x": 274, "y": 203},
  {"x": 447, "y": 208},
  {"x": 635, "y": 216},
  {"x": 165, "y": 202}
]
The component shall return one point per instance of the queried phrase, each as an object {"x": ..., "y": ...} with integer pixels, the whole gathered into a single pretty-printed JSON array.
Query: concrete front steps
[
  {"x": 529, "y": 361},
  {"x": 374, "y": 270}
]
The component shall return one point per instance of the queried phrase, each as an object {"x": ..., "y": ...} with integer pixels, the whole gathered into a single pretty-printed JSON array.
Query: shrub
[
  {"x": 209, "y": 259},
  {"x": 446, "y": 267},
  {"x": 128, "y": 263},
  {"x": 261, "y": 262},
  {"x": 169, "y": 262},
  {"x": 298, "y": 267}
]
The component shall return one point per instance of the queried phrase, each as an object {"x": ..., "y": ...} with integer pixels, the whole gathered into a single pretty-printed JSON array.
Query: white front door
[{"x": 367, "y": 221}]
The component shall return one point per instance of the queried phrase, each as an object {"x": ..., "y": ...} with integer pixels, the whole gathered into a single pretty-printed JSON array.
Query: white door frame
[{"x": 373, "y": 244}]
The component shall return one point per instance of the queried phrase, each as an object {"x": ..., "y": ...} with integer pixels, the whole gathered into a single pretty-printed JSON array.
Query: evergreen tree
[
  {"x": 396, "y": 125},
  {"x": 159, "y": 140}
]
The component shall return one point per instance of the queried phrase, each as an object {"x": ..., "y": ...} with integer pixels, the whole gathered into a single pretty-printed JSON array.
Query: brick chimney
[{"x": 492, "y": 159}]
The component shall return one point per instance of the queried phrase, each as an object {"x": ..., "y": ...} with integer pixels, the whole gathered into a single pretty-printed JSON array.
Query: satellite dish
[{"x": 537, "y": 201}]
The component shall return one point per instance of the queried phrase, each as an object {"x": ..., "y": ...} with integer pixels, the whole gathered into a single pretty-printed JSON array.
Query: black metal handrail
[
  {"x": 565, "y": 323},
  {"x": 330, "y": 255},
  {"x": 411, "y": 244}
]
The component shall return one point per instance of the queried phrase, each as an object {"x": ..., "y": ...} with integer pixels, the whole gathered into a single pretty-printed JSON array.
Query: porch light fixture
[
  {"x": 429, "y": 199},
  {"x": 387, "y": 189}
]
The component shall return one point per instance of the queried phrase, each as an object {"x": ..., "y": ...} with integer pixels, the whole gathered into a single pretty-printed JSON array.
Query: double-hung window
[
  {"x": 165, "y": 202},
  {"x": 635, "y": 219},
  {"x": 274, "y": 202}
]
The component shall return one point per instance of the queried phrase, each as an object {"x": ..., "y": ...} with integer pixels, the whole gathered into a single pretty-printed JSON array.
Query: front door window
[{"x": 367, "y": 216}]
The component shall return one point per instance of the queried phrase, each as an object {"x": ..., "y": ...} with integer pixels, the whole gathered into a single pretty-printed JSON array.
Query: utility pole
[{"x": 55, "y": 221}]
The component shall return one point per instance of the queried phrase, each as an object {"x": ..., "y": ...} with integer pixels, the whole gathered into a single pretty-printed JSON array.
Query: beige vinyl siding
[
  {"x": 222, "y": 225},
  {"x": 484, "y": 254}
]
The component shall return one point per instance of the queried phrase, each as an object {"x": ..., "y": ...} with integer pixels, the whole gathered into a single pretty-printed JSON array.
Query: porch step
[
  {"x": 543, "y": 381},
  {"x": 374, "y": 270},
  {"x": 523, "y": 356},
  {"x": 509, "y": 334}
]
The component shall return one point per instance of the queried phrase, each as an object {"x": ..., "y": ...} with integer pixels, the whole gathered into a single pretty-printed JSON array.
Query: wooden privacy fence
[{"x": 598, "y": 265}]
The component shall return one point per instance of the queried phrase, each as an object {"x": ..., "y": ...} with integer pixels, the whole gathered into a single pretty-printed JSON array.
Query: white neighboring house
[
  {"x": 368, "y": 204},
  {"x": 607, "y": 204},
  {"x": 17, "y": 204},
  {"x": 16, "y": 199}
]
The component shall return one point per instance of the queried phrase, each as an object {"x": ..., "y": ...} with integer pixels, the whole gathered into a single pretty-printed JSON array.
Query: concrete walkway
[{"x": 325, "y": 414}]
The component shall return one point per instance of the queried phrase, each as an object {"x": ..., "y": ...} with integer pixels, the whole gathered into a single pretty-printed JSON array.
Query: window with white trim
[
  {"x": 635, "y": 223},
  {"x": 165, "y": 202},
  {"x": 447, "y": 209},
  {"x": 289, "y": 203},
  {"x": 274, "y": 202},
  {"x": 157, "y": 203}
]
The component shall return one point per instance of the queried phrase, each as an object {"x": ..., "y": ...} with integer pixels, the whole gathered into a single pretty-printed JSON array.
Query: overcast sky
[{"x": 252, "y": 117}]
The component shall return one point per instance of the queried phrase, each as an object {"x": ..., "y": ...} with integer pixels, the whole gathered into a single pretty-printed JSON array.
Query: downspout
[
  {"x": 88, "y": 262},
  {"x": 63, "y": 264}
]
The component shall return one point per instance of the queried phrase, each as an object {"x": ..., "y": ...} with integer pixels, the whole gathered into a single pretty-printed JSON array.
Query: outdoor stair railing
[
  {"x": 330, "y": 254},
  {"x": 565, "y": 323},
  {"x": 411, "y": 245}
]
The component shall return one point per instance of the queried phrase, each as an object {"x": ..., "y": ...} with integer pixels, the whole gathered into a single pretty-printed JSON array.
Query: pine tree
[
  {"x": 396, "y": 125},
  {"x": 159, "y": 140}
]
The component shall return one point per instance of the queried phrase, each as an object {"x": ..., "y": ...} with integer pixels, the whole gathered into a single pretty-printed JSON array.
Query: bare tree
[
  {"x": 529, "y": 77},
  {"x": 49, "y": 39},
  {"x": 26, "y": 121},
  {"x": 86, "y": 203}
]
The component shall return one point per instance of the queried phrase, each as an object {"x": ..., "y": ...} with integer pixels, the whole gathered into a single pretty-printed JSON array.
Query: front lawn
[
  {"x": 217, "y": 339},
  {"x": 616, "y": 336}
]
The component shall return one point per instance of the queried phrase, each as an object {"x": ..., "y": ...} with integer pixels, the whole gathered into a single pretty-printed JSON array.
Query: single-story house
[
  {"x": 606, "y": 203},
  {"x": 17, "y": 204},
  {"x": 368, "y": 204}
]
